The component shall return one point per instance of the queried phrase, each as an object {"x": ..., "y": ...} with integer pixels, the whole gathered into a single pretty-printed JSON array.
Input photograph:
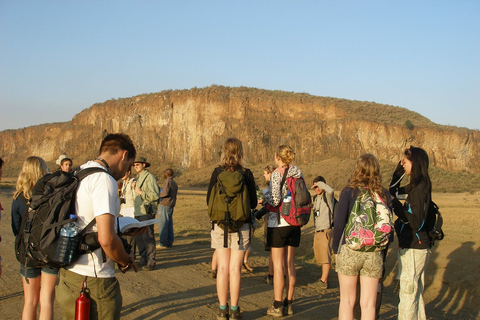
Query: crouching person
[{"x": 97, "y": 199}]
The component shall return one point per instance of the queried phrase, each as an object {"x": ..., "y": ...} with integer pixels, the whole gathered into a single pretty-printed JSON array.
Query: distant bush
[{"x": 409, "y": 125}]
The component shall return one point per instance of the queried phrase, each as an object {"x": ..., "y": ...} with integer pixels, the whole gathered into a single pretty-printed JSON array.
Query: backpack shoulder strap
[{"x": 83, "y": 173}]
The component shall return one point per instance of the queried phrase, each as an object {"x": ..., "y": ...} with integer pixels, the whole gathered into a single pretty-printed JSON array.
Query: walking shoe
[
  {"x": 148, "y": 267},
  {"x": 246, "y": 266},
  {"x": 222, "y": 314},
  {"x": 323, "y": 285},
  {"x": 269, "y": 279},
  {"x": 287, "y": 308},
  {"x": 235, "y": 314},
  {"x": 319, "y": 284},
  {"x": 160, "y": 247},
  {"x": 275, "y": 312}
]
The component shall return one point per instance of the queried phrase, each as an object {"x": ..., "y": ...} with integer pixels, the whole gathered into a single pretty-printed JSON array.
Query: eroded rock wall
[{"x": 187, "y": 128}]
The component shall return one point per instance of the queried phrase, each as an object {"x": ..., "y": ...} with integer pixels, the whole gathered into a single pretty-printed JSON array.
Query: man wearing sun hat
[{"x": 145, "y": 206}]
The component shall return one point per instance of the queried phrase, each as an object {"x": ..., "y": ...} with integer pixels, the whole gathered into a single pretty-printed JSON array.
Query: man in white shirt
[{"x": 97, "y": 199}]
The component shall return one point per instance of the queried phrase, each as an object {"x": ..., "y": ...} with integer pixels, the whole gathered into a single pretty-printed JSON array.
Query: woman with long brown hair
[
  {"x": 230, "y": 258},
  {"x": 413, "y": 239},
  {"x": 32, "y": 170},
  {"x": 351, "y": 263}
]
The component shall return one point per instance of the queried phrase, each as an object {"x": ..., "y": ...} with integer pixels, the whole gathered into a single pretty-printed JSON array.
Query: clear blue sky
[{"x": 60, "y": 57}]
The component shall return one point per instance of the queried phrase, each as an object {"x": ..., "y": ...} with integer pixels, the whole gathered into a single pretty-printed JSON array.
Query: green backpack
[
  {"x": 229, "y": 202},
  {"x": 370, "y": 223}
]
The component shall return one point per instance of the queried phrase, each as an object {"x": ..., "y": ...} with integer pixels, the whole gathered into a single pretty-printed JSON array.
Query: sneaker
[
  {"x": 319, "y": 284},
  {"x": 148, "y": 267},
  {"x": 246, "y": 266},
  {"x": 235, "y": 314},
  {"x": 160, "y": 247},
  {"x": 323, "y": 285},
  {"x": 269, "y": 279},
  {"x": 275, "y": 312},
  {"x": 287, "y": 308},
  {"x": 222, "y": 314}
]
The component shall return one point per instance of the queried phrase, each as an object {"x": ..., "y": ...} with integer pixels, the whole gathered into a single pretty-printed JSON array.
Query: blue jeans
[{"x": 165, "y": 214}]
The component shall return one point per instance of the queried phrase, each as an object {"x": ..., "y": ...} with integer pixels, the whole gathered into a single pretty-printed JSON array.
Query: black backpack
[
  {"x": 434, "y": 223},
  {"x": 50, "y": 206}
]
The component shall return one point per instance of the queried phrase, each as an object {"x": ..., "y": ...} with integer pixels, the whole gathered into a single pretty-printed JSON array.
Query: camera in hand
[{"x": 260, "y": 213}]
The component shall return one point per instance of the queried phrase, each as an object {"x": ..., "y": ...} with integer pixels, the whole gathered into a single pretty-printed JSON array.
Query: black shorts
[{"x": 282, "y": 237}]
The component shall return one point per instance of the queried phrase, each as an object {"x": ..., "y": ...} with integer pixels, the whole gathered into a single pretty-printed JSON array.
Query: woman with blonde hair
[
  {"x": 229, "y": 259},
  {"x": 351, "y": 263},
  {"x": 32, "y": 170},
  {"x": 282, "y": 237}
]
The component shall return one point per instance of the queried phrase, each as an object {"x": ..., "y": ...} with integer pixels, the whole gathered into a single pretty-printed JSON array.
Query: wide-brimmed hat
[
  {"x": 142, "y": 160},
  {"x": 60, "y": 158}
]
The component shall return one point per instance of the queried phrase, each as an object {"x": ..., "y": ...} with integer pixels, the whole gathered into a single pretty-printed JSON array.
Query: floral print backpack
[{"x": 370, "y": 223}]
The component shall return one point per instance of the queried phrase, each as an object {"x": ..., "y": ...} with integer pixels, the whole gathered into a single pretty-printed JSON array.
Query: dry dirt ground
[{"x": 181, "y": 288}]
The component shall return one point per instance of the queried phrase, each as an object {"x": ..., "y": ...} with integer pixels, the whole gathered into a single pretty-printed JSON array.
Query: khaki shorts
[
  {"x": 352, "y": 263},
  {"x": 322, "y": 246},
  {"x": 235, "y": 242},
  {"x": 105, "y": 295}
]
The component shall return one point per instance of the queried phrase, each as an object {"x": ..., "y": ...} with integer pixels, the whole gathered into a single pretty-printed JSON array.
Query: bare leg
[
  {"x": 278, "y": 258},
  {"x": 214, "y": 260},
  {"x": 223, "y": 263},
  {"x": 368, "y": 297},
  {"x": 325, "y": 272},
  {"x": 236, "y": 260},
  {"x": 291, "y": 272},
  {"x": 31, "y": 291},
  {"x": 348, "y": 288},
  {"x": 47, "y": 296}
]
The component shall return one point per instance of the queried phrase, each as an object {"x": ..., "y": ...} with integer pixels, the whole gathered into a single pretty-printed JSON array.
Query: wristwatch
[{"x": 124, "y": 269}]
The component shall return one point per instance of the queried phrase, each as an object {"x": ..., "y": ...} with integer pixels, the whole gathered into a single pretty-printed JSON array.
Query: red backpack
[{"x": 297, "y": 211}]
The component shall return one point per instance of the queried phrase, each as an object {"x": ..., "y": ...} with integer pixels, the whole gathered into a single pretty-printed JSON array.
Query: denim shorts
[{"x": 35, "y": 272}]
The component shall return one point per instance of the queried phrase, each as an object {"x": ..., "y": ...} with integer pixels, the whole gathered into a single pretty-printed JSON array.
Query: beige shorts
[
  {"x": 236, "y": 240},
  {"x": 322, "y": 246},
  {"x": 352, "y": 263}
]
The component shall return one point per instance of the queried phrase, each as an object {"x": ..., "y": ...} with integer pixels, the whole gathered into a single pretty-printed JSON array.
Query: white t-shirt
[{"x": 96, "y": 195}]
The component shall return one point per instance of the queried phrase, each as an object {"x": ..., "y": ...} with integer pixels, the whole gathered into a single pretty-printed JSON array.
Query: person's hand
[
  {"x": 396, "y": 179},
  {"x": 131, "y": 265},
  {"x": 138, "y": 190}
]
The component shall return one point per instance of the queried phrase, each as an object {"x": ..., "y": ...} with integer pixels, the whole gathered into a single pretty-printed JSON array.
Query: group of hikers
[
  {"x": 358, "y": 263},
  {"x": 232, "y": 187}
]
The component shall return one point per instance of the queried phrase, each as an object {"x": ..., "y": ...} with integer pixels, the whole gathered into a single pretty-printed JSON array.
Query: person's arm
[
  {"x": 341, "y": 218},
  {"x": 17, "y": 210},
  {"x": 150, "y": 190},
  {"x": 213, "y": 181},
  {"x": 416, "y": 208},
  {"x": 111, "y": 243},
  {"x": 252, "y": 192},
  {"x": 275, "y": 181},
  {"x": 329, "y": 193},
  {"x": 167, "y": 186}
]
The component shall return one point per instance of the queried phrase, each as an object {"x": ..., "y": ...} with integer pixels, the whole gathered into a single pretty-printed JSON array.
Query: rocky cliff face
[{"x": 187, "y": 128}]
